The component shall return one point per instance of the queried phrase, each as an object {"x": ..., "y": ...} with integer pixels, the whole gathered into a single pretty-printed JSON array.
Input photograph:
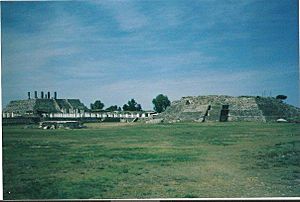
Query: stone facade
[
  {"x": 62, "y": 108},
  {"x": 39, "y": 107},
  {"x": 228, "y": 108}
]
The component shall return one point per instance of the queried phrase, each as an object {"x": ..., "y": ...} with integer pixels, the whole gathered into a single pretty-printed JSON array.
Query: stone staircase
[{"x": 209, "y": 108}]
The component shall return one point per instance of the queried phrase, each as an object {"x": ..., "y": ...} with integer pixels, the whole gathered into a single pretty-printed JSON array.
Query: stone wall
[
  {"x": 243, "y": 108},
  {"x": 274, "y": 109},
  {"x": 38, "y": 106},
  {"x": 46, "y": 106},
  {"x": 20, "y": 106}
]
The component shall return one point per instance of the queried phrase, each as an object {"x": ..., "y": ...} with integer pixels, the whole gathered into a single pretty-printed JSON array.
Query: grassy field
[{"x": 182, "y": 160}]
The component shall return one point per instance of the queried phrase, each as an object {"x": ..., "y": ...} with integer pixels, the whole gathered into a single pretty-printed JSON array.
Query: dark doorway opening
[{"x": 224, "y": 113}]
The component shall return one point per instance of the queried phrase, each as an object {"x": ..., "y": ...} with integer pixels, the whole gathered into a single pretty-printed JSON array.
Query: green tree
[
  {"x": 125, "y": 107},
  {"x": 132, "y": 105},
  {"x": 138, "y": 107},
  {"x": 112, "y": 108},
  {"x": 98, "y": 105},
  {"x": 161, "y": 102}
]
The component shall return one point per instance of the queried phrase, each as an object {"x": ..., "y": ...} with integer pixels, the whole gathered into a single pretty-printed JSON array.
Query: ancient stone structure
[
  {"x": 191, "y": 108},
  {"x": 53, "y": 108},
  {"x": 42, "y": 106},
  {"x": 228, "y": 108},
  {"x": 60, "y": 124}
]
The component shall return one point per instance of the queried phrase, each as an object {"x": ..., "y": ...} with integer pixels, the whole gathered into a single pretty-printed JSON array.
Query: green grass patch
[{"x": 182, "y": 160}]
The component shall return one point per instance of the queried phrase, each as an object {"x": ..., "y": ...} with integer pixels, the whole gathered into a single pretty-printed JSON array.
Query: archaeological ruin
[
  {"x": 228, "y": 108},
  {"x": 43, "y": 106},
  {"x": 209, "y": 108},
  {"x": 46, "y": 107}
]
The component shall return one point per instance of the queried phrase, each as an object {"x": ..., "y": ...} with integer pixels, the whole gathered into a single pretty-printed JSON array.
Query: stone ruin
[
  {"x": 43, "y": 105},
  {"x": 228, "y": 108},
  {"x": 60, "y": 124},
  {"x": 192, "y": 108}
]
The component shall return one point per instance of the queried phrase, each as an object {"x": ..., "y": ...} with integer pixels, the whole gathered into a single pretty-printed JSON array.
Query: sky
[{"x": 117, "y": 50}]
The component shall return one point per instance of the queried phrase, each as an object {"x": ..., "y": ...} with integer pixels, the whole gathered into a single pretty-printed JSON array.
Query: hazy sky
[{"x": 118, "y": 50}]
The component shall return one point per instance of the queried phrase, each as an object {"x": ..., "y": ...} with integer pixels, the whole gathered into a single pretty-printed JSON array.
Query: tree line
[{"x": 160, "y": 104}]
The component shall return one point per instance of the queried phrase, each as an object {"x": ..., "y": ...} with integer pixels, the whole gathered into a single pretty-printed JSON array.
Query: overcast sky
[{"x": 118, "y": 50}]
